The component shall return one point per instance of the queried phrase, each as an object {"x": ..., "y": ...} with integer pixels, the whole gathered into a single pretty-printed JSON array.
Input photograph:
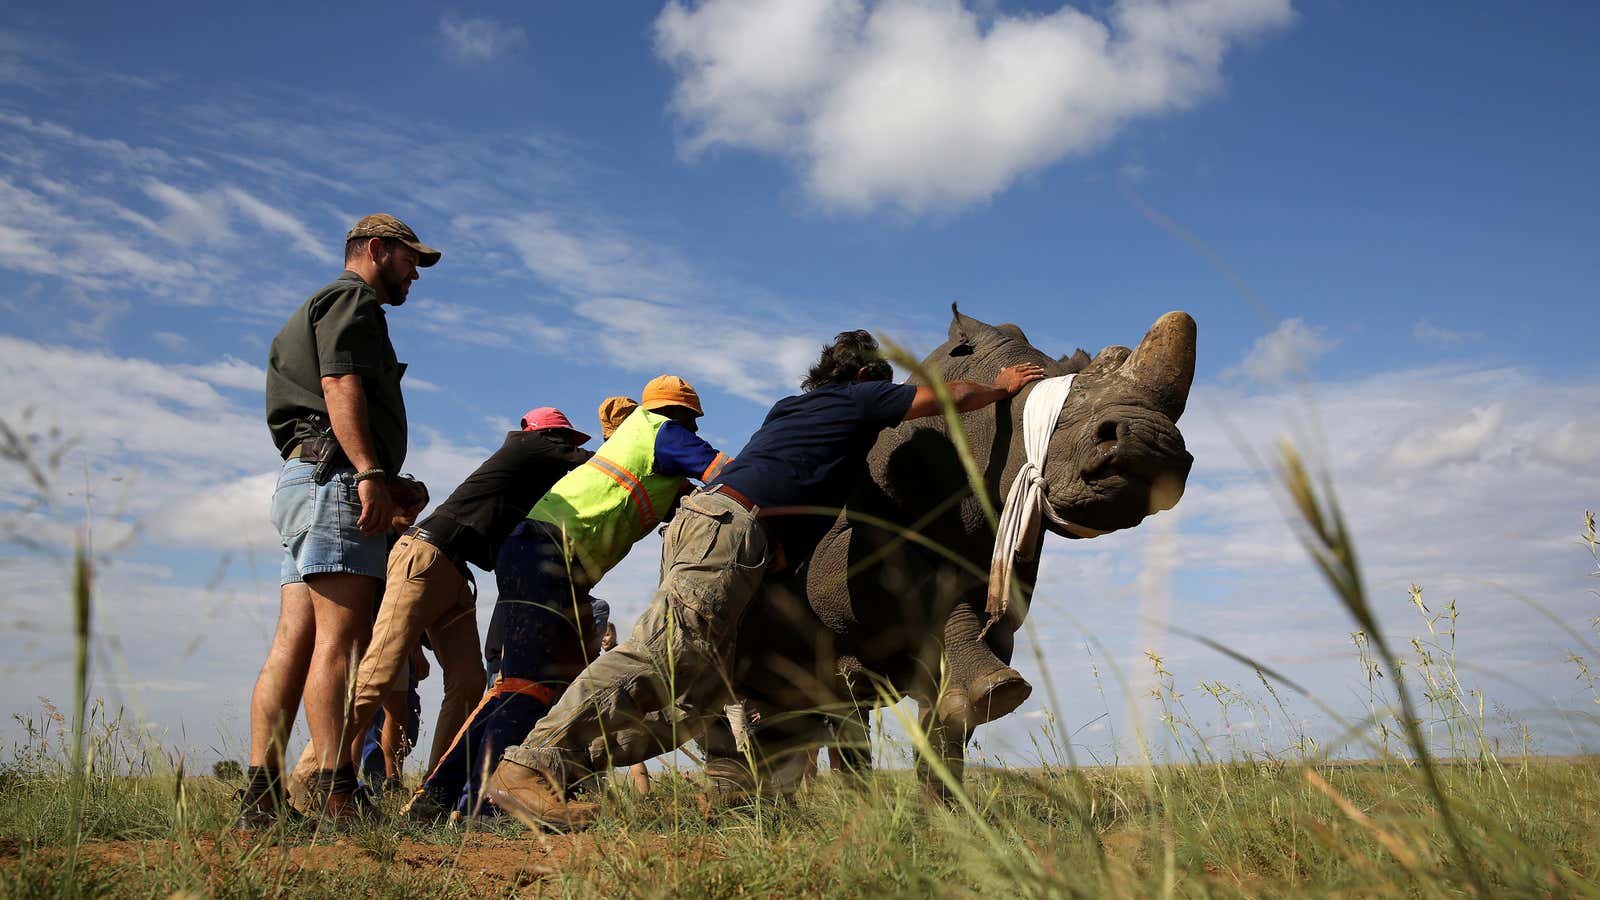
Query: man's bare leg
[
  {"x": 276, "y": 697},
  {"x": 342, "y": 606},
  {"x": 273, "y": 703}
]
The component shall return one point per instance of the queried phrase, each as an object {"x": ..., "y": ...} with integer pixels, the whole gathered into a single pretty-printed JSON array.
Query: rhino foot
[{"x": 984, "y": 700}]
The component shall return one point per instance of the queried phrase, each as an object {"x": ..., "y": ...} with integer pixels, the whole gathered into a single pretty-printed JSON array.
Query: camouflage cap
[{"x": 383, "y": 225}]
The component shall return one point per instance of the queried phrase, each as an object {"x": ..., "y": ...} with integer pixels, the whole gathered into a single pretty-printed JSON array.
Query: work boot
[{"x": 537, "y": 799}]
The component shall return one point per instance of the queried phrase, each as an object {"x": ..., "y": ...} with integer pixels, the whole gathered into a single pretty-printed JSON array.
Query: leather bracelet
[{"x": 370, "y": 473}]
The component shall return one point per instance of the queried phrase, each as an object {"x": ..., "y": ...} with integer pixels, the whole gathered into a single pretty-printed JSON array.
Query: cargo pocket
[{"x": 692, "y": 536}]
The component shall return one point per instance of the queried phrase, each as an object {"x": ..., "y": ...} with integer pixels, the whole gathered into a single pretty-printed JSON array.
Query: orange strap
[
  {"x": 543, "y": 693},
  {"x": 630, "y": 483}
]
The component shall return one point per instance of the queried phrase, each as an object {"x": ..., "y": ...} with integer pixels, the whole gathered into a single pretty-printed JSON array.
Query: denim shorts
[{"x": 317, "y": 524}]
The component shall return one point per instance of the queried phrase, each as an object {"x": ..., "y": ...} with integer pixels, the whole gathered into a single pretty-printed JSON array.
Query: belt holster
[{"x": 321, "y": 449}]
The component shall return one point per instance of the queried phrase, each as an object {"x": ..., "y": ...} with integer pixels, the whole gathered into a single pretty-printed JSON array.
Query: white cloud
[
  {"x": 230, "y": 372},
  {"x": 586, "y": 258},
  {"x": 141, "y": 427},
  {"x": 276, "y": 220},
  {"x": 1289, "y": 349},
  {"x": 1574, "y": 444},
  {"x": 170, "y": 340},
  {"x": 191, "y": 218},
  {"x": 1429, "y": 333},
  {"x": 640, "y": 304},
  {"x": 46, "y": 235},
  {"x": 1457, "y": 441},
  {"x": 740, "y": 355},
  {"x": 230, "y": 515},
  {"x": 928, "y": 105},
  {"x": 479, "y": 40}
]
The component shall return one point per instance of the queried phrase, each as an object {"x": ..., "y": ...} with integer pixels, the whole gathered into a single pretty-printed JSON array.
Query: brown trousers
[{"x": 423, "y": 592}]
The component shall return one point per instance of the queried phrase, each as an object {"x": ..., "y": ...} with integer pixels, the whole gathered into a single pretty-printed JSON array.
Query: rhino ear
[
  {"x": 1108, "y": 360},
  {"x": 965, "y": 329},
  {"x": 1077, "y": 362},
  {"x": 1012, "y": 330}
]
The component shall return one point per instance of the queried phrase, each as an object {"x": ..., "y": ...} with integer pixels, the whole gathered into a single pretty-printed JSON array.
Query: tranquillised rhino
[{"x": 873, "y": 610}]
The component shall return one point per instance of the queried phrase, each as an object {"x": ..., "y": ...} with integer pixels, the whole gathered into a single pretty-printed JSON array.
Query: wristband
[{"x": 370, "y": 473}]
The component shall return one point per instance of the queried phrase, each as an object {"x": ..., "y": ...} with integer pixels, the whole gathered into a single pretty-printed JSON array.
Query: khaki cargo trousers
[
  {"x": 423, "y": 592},
  {"x": 638, "y": 701}
]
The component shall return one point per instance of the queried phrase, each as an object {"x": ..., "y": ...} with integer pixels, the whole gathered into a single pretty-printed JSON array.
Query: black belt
[{"x": 443, "y": 545}]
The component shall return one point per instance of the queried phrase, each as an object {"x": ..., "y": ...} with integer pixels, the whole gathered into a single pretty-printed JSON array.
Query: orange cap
[
  {"x": 612, "y": 411},
  {"x": 670, "y": 390}
]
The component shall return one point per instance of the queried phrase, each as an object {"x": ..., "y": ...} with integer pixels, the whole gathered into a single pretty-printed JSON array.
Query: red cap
[{"x": 549, "y": 417}]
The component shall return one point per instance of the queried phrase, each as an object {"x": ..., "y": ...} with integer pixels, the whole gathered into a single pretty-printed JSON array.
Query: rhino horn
[
  {"x": 964, "y": 329},
  {"x": 1164, "y": 362}
]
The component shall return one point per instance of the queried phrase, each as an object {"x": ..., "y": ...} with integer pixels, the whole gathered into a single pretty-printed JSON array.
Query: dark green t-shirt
[{"x": 341, "y": 330}]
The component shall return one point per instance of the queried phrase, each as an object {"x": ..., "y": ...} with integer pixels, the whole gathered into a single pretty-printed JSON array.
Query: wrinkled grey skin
[{"x": 877, "y": 612}]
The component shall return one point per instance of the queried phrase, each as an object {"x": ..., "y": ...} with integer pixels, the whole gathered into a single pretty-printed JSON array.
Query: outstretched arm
[{"x": 969, "y": 395}]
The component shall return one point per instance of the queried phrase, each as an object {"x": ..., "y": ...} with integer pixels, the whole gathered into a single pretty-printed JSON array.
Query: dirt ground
[{"x": 488, "y": 863}]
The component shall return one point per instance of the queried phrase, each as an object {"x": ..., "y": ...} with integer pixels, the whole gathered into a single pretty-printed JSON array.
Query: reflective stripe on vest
[
  {"x": 716, "y": 467},
  {"x": 603, "y": 507},
  {"x": 641, "y": 497}
]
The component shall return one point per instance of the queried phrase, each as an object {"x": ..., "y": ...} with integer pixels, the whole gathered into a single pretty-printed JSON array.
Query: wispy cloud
[
  {"x": 1288, "y": 349},
  {"x": 474, "y": 39},
  {"x": 921, "y": 106},
  {"x": 276, "y": 220},
  {"x": 1429, "y": 333},
  {"x": 641, "y": 304}
]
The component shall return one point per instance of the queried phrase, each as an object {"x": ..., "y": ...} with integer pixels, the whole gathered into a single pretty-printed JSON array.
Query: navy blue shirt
[{"x": 810, "y": 451}]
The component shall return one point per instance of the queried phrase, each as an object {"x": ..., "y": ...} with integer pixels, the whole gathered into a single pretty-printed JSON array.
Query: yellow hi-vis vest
[{"x": 607, "y": 504}]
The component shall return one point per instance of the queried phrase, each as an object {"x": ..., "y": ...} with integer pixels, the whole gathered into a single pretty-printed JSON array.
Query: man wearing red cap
[
  {"x": 429, "y": 587},
  {"x": 582, "y": 527}
]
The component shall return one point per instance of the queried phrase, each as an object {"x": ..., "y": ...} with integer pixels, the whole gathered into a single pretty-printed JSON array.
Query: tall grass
[{"x": 88, "y": 807}]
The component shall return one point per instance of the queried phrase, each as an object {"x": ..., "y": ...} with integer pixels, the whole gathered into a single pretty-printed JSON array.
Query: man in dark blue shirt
[{"x": 627, "y": 706}]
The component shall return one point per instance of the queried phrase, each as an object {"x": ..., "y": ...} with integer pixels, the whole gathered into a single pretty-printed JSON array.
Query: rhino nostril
[{"x": 1106, "y": 437}]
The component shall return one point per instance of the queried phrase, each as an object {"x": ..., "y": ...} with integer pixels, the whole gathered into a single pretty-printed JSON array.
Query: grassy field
[
  {"x": 1429, "y": 806},
  {"x": 1530, "y": 827}
]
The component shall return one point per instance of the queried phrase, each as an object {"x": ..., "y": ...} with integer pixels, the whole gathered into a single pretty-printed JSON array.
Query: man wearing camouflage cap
[{"x": 337, "y": 416}]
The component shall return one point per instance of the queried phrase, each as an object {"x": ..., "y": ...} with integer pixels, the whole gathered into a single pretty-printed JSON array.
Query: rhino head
[{"x": 1117, "y": 455}]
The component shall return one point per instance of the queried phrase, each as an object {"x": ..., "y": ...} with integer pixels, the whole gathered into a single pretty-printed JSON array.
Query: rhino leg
[
  {"x": 979, "y": 686},
  {"x": 948, "y": 746}
]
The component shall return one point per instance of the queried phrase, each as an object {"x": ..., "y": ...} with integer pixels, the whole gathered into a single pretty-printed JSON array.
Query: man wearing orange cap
[
  {"x": 584, "y": 525},
  {"x": 338, "y": 418},
  {"x": 641, "y": 699}
]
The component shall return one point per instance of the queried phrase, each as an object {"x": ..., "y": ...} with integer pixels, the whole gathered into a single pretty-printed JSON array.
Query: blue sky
[{"x": 1382, "y": 216}]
